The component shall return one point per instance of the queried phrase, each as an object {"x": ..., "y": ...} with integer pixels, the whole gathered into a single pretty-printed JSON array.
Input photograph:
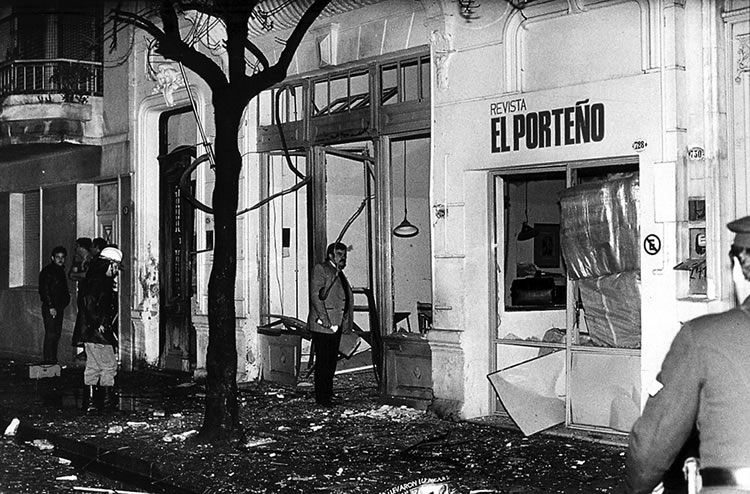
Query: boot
[
  {"x": 91, "y": 400},
  {"x": 110, "y": 399}
]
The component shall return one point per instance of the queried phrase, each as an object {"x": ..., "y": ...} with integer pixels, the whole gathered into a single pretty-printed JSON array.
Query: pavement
[{"x": 289, "y": 444}]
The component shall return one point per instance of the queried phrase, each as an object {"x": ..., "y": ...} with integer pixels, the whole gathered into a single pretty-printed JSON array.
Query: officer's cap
[{"x": 741, "y": 229}]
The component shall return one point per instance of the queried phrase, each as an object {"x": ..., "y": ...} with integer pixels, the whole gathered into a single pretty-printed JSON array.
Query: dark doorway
[{"x": 177, "y": 338}]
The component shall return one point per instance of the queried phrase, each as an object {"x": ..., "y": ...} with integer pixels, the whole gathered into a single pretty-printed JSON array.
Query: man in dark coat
[
  {"x": 704, "y": 382},
  {"x": 331, "y": 313},
  {"x": 78, "y": 274},
  {"x": 99, "y": 334},
  {"x": 55, "y": 296}
]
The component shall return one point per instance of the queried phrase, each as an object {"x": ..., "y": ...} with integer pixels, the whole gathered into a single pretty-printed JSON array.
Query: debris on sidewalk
[
  {"x": 137, "y": 425},
  {"x": 12, "y": 427},
  {"x": 115, "y": 429},
  {"x": 179, "y": 437},
  {"x": 292, "y": 445},
  {"x": 258, "y": 441},
  {"x": 42, "y": 444},
  {"x": 388, "y": 412}
]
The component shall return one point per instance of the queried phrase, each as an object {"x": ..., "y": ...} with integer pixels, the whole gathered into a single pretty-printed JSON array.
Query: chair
[{"x": 424, "y": 316}]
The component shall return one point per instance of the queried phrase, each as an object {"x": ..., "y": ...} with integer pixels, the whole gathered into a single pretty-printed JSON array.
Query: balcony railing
[{"x": 72, "y": 79}]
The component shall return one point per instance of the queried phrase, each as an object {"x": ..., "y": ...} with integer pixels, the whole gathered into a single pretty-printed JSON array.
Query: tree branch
[
  {"x": 172, "y": 47},
  {"x": 236, "y": 40},
  {"x": 169, "y": 19},
  {"x": 300, "y": 29},
  {"x": 137, "y": 21},
  {"x": 253, "y": 48}
]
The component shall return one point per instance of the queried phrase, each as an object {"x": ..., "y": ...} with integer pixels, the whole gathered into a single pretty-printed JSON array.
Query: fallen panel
[{"x": 528, "y": 392}]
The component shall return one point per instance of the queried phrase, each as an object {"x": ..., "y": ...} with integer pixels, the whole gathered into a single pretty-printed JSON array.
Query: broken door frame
[{"x": 495, "y": 342}]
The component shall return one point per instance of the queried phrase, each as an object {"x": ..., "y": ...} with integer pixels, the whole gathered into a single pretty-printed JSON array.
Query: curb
[{"x": 112, "y": 464}]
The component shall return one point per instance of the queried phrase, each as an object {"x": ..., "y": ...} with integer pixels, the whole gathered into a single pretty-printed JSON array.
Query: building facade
[
  {"x": 621, "y": 123},
  {"x": 64, "y": 154}
]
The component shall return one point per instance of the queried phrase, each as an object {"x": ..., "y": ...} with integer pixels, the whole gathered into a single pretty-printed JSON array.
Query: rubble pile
[{"x": 291, "y": 445}]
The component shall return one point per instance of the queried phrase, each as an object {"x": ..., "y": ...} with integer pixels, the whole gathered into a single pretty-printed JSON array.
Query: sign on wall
[{"x": 514, "y": 128}]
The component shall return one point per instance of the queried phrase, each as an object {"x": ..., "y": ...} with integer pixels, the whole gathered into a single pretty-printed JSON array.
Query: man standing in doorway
[
  {"x": 55, "y": 296},
  {"x": 704, "y": 382},
  {"x": 78, "y": 274},
  {"x": 331, "y": 313}
]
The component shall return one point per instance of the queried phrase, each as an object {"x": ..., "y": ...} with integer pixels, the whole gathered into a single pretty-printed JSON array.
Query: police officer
[{"x": 704, "y": 381}]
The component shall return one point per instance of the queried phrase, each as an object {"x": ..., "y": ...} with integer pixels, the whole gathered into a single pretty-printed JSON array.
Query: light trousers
[{"x": 101, "y": 365}]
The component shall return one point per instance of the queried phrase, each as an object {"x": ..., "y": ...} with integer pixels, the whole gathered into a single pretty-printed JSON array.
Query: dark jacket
[
  {"x": 704, "y": 382},
  {"x": 99, "y": 305},
  {"x": 336, "y": 308},
  {"x": 53, "y": 287}
]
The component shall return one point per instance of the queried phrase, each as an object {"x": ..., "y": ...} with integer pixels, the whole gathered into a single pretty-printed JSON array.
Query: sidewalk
[{"x": 292, "y": 446}]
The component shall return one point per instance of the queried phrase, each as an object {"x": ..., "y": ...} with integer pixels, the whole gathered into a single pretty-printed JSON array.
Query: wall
[
  {"x": 412, "y": 277},
  {"x": 631, "y": 64}
]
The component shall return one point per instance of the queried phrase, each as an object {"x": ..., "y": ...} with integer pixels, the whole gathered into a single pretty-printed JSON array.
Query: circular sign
[
  {"x": 652, "y": 244},
  {"x": 696, "y": 153}
]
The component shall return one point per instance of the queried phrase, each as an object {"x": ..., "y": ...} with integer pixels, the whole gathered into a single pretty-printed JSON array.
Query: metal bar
[
  {"x": 352, "y": 156},
  {"x": 211, "y": 157}
]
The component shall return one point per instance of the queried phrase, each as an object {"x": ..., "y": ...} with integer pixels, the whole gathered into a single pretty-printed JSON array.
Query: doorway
[
  {"x": 177, "y": 337},
  {"x": 337, "y": 204},
  {"x": 568, "y": 293}
]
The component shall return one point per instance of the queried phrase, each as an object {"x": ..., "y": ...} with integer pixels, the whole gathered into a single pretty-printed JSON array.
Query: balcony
[{"x": 50, "y": 101}]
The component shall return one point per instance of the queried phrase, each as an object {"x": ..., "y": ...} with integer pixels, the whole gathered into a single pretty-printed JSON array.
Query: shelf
[
  {"x": 532, "y": 308},
  {"x": 531, "y": 343},
  {"x": 607, "y": 350}
]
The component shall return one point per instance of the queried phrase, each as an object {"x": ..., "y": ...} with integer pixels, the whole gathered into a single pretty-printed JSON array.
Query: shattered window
[
  {"x": 407, "y": 80},
  {"x": 289, "y": 101},
  {"x": 341, "y": 94}
]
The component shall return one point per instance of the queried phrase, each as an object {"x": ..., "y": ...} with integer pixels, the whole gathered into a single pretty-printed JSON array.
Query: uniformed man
[{"x": 704, "y": 381}]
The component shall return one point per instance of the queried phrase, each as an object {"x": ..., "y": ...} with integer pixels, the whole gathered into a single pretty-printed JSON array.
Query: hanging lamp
[
  {"x": 527, "y": 232},
  {"x": 405, "y": 229}
]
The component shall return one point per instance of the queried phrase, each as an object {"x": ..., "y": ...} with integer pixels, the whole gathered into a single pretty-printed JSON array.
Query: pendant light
[
  {"x": 527, "y": 232},
  {"x": 405, "y": 229}
]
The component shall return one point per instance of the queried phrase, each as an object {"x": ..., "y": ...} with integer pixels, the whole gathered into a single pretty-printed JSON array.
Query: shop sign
[{"x": 513, "y": 128}]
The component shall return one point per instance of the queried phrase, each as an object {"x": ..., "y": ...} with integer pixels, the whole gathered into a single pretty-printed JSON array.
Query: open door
[
  {"x": 177, "y": 337},
  {"x": 339, "y": 199}
]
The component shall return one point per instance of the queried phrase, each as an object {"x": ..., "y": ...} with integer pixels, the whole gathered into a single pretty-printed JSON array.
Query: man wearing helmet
[{"x": 99, "y": 333}]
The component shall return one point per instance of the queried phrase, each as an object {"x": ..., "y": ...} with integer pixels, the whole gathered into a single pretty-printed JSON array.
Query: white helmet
[{"x": 111, "y": 254}]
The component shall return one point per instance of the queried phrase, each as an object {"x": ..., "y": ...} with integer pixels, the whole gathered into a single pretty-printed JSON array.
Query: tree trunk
[{"x": 221, "y": 420}]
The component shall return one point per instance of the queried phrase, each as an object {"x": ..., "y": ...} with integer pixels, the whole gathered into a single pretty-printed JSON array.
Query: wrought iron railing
[{"x": 73, "y": 79}]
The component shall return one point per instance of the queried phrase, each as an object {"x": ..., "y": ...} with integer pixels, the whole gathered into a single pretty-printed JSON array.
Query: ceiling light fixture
[{"x": 405, "y": 229}]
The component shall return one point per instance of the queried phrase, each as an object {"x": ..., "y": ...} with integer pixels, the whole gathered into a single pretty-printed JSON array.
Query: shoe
[
  {"x": 91, "y": 400},
  {"x": 110, "y": 399}
]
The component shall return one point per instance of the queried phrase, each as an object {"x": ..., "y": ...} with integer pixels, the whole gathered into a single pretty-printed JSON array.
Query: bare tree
[{"x": 230, "y": 94}]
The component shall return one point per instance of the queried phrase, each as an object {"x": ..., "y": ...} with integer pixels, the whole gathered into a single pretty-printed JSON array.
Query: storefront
[
  {"x": 598, "y": 143},
  {"x": 502, "y": 137}
]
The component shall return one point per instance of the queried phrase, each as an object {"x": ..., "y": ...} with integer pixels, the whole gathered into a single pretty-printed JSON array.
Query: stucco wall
[{"x": 493, "y": 68}]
